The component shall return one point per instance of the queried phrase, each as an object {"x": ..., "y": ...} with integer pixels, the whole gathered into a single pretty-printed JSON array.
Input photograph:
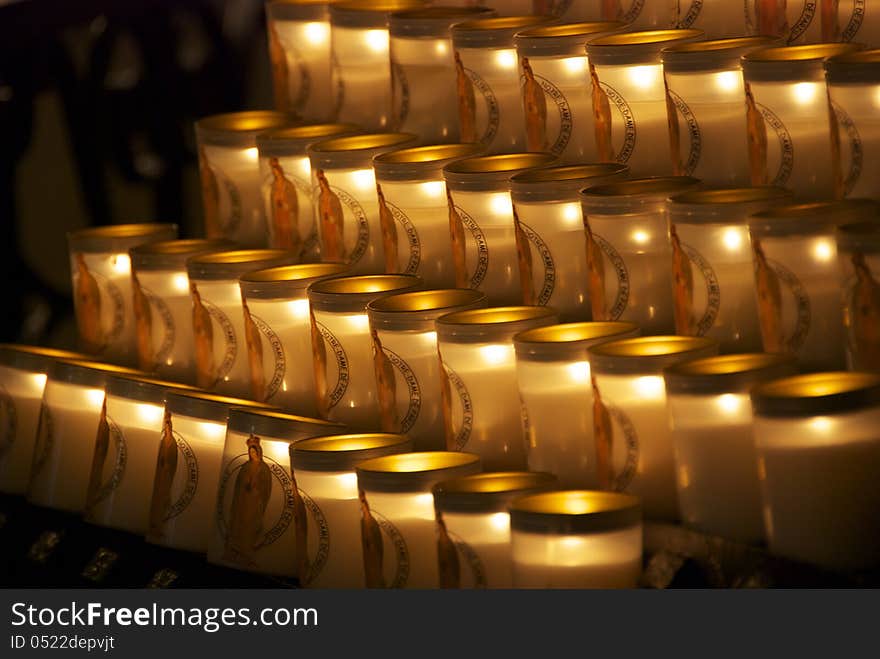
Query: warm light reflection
[
  {"x": 441, "y": 48},
  {"x": 377, "y": 40},
  {"x": 435, "y": 189},
  {"x": 499, "y": 521},
  {"x": 496, "y": 353},
  {"x": 299, "y": 309},
  {"x": 805, "y": 92},
  {"x": 820, "y": 424},
  {"x": 317, "y": 34},
  {"x": 645, "y": 76},
  {"x": 95, "y": 397},
  {"x": 211, "y": 431},
  {"x": 150, "y": 415},
  {"x": 38, "y": 380},
  {"x": 501, "y": 204},
  {"x": 506, "y": 59},
  {"x": 729, "y": 81},
  {"x": 824, "y": 250},
  {"x": 649, "y": 386},
  {"x": 573, "y": 215},
  {"x": 733, "y": 239},
  {"x": 121, "y": 264},
  {"x": 575, "y": 65},
  {"x": 252, "y": 154},
  {"x": 641, "y": 237},
  {"x": 304, "y": 166},
  {"x": 731, "y": 404},
  {"x": 359, "y": 322},
  {"x": 579, "y": 371},
  {"x": 180, "y": 282},
  {"x": 364, "y": 179}
]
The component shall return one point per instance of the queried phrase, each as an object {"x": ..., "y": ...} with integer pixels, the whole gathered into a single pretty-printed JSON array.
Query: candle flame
[
  {"x": 824, "y": 250},
  {"x": 506, "y": 59},
  {"x": 377, "y": 40},
  {"x": 317, "y": 34},
  {"x": 180, "y": 282},
  {"x": 121, "y": 264}
]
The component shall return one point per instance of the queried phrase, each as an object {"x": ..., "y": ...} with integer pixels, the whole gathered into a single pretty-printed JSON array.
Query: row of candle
[{"x": 260, "y": 490}]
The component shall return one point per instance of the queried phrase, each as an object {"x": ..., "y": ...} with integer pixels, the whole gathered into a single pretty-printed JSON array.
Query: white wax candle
[
  {"x": 482, "y": 541},
  {"x": 121, "y": 478},
  {"x": 65, "y": 440},
  {"x": 185, "y": 485},
  {"x": 292, "y": 227},
  {"x": 859, "y": 259},
  {"x": 719, "y": 19},
  {"x": 302, "y": 66},
  {"x": 361, "y": 61},
  {"x": 856, "y": 112},
  {"x": 240, "y": 211},
  {"x": 641, "y": 14},
  {"x": 21, "y": 394}
]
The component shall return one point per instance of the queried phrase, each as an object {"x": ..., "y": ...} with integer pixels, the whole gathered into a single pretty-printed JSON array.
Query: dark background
[{"x": 97, "y": 104}]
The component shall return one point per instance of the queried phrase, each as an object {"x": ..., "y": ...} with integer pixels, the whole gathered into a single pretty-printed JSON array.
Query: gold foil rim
[
  {"x": 645, "y": 37},
  {"x": 120, "y": 230},
  {"x": 578, "y": 503},
  {"x": 720, "y": 45},
  {"x": 496, "y": 482},
  {"x": 363, "y": 142},
  {"x": 42, "y": 351},
  {"x": 238, "y": 256},
  {"x": 308, "y": 131},
  {"x": 427, "y": 154},
  {"x": 802, "y": 53},
  {"x": 439, "y": 12},
  {"x": 229, "y": 401},
  {"x": 265, "y": 410},
  {"x": 302, "y": 2},
  {"x": 378, "y": 6},
  {"x": 431, "y": 300},
  {"x": 570, "y": 29},
  {"x": 112, "y": 369},
  {"x": 574, "y": 332},
  {"x": 821, "y": 209},
  {"x": 818, "y": 385},
  {"x": 652, "y": 346},
  {"x": 361, "y": 284},
  {"x": 743, "y": 195},
  {"x": 181, "y": 246},
  {"x": 352, "y": 442},
  {"x": 418, "y": 462},
  {"x": 871, "y": 56},
  {"x": 245, "y": 122},
  {"x": 156, "y": 382},
  {"x": 509, "y": 162},
  {"x": 658, "y": 185},
  {"x": 723, "y": 365},
  {"x": 301, "y": 271},
  {"x": 500, "y": 23},
  {"x": 559, "y": 173},
  {"x": 496, "y": 316}
]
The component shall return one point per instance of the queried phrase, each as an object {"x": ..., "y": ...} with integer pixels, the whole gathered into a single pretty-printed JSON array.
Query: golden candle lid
[
  {"x": 817, "y": 394},
  {"x": 235, "y": 263},
  {"x": 207, "y": 406},
  {"x": 414, "y": 472},
  {"x": 36, "y": 359},
  {"x": 419, "y": 310},
  {"x": 294, "y": 140},
  {"x": 356, "y": 150},
  {"x": 240, "y": 128},
  {"x": 727, "y": 373},
  {"x": 637, "y": 47},
  {"x": 272, "y": 424},
  {"x": 433, "y": 21},
  {"x": 285, "y": 280},
  {"x": 490, "y": 492},
  {"x": 300, "y": 10},
  {"x": 623, "y": 196},
  {"x": 567, "y": 512},
  {"x": 811, "y": 218},
  {"x": 859, "y": 237},
  {"x": 172, "y": 254},
  {"x": 563, "y": 182},
  {"x": 648, "y": 354},
  {"x": 714, "y": 205},
  {"x": 493, "y": 324},
  {"x": 369, "y": 13},
  {"x": 492, "y": 172},
  {"x": 793, "y": 63},
  {"x": 713, "y": 54},
  {"x": 567, "y": 39},
  {"x": 497, "y": 32},
  {"x": 119, "y": 237},
  {"x": 421, "y": 161},
  {"x": 88, "y": 373},
  {"x": 345, "y": 452},
  {"x": 854, "y": 67},
  {"x": 353, "y": 294},
  {"x": 145, "y": 389},
  {"x": 569, "y": 341}
]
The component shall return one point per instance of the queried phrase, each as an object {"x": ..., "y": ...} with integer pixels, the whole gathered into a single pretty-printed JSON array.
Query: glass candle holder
[
  {"x": 361, "y": 59},
  {"x": 789, "y": 119},
  {"x": 858, "y": 252},
  {"x": 280, "y": 356},
  {"x": 100, "y": 269},
  {"x": 350, "y": 225},
  {"x": 712, "y": 433},
  {"x": 719, "y": 19},
  {"x": 407, "y": 362},
  {"x": 482, "y": 224},
  {"x": 414, "y": 210},
  {"x": 480, "y": 395},
  {"x": 488, "y": 82},
  {"x": 229, "y": 172},
  {"x": 299, "y": 54},
  {"x": 286, "y": 176},
  {"x": 342, "y": 345},
  {"x": 119, "y": 482},
  {"x": 473, "y": 526},
  {"x": 630, "y": 423},
  {"x": 260, "y": 512},
  {"x": 628, "y": 250},
  {"x": 553, "y": 377},
  {"x": 850, "y": 21},
  {"x": 705, "y": 100},
  {"x": 576, "y": 539},
  {"x": 324, "y": 472},
  {"x": 818, "y": 446},
  {"x": 219, "y": 325},
  {"x": 23, "y": 373},
  {"x": 163, "y": 306},
  {"x": 556, "y": 94},
  {"x": 854, "y": 92},
  {"x": 630, "y": 110},
  {"x": 568, "y": 11},
  {"x": 422, "y": 65},
  {"x": 550, "y": 236},
  {"x": 398, "y": 533},
  {"x": 70, "y": 412},
  {"x": 797, "y": 279},
  {"x": 188, "y": 458},
  {"x": 793, "y": 22},
  {"x": 712, "y": 282}
]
